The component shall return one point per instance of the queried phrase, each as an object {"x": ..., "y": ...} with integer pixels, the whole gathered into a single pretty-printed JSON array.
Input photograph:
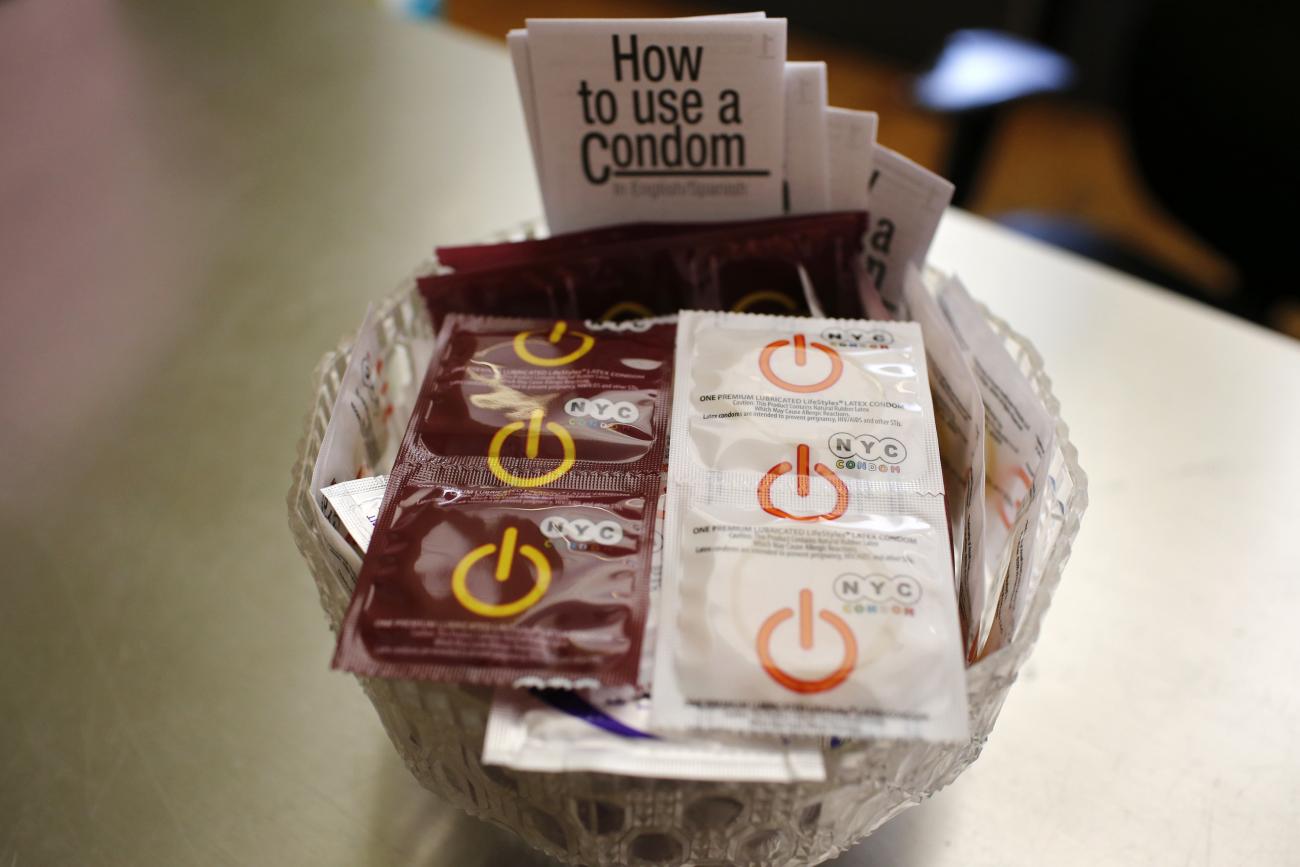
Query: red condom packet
[
  {"x": 618, "y": 272},
  {"x": 514, "y": 543}
]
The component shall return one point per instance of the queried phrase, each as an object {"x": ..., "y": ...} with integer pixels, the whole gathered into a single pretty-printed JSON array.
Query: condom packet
[
  {"x": 795, "y": 393},
  {"x": 605, "y": 731},
  {"x": 906, "y": 202},
  {"x": 640, "y": 270},
  {"x": 520, "y": 291},
  {"x": 366, "y": 423},
  {"x": 805, "y": 593},
  {"x": 959, "y": 417},
  {"x": 515, "y": 542},
  {"x": 1021, "y": 577},
  {"x": 1020, "y": 439},
  {"x": 469, "y": 582},
  {"x": 535, "y": 399},
  {"x": 357, "y": 504},
  {"x": 847, "y": 629}
]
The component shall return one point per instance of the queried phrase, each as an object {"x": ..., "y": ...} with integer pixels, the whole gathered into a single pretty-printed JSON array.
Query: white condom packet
[
  {"x": 802, "y": 593},
  {"x": 1021, "y": 579},
  {"x": 906, "y": 202},
  {"x": 850, "y": 148},
  {"x": 959, "y": 414},
  {"x": 608, "y": 732},
  {"x": 357, "y": 505},
  {"x": 375, "y": 400},
  {"x": 1019, "y": 441},
  {"x": 849, "y": 395}
]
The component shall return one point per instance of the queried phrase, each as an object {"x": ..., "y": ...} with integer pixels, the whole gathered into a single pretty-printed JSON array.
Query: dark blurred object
[
  {"x": 905, "y": 33},
  {"x": 1094, "y": 35},
  {"x": 978, "y": 74},
  {"x": 1199, "y": 91},
  {"x": 1210, "y": 108}
]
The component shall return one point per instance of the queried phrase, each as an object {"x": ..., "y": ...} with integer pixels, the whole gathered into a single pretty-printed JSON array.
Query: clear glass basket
[{"x": 602, "y": 819}]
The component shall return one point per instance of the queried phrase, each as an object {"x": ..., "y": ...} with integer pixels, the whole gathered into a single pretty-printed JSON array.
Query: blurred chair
[
  {"x": 1207, "y": 96},
  {"x": 1210, "y": 110},
  {"x": 978, "y": 75}
]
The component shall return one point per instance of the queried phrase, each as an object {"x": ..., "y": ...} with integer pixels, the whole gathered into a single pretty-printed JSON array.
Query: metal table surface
[{"x": 199, "y": 198}]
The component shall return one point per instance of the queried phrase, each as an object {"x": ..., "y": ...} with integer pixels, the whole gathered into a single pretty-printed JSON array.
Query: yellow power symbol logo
[
  {"x": 585, "y": 342},
  {"x": 505, "y": 559},
  {"x": 531, "y": 445}
]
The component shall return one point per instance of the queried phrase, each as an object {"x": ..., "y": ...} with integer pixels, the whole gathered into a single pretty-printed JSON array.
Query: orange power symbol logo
[
  {"x": 783, "y": 677},
  {"x": 505, "y": 560},
  {"x": 800, "y": 344},
  {"x": 802, "y": 488}
]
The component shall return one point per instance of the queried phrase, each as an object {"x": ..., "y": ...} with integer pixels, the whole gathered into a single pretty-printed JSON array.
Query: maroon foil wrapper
[
  {"x": 619, "y": 272},
  {"x": 532, "y": 395},
  {"x": 472, "y": 583},
  {"x": 514, "y": 542}
]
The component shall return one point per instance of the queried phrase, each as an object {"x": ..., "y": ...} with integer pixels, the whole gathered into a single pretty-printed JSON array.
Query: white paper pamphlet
[
  {"x": 657, "y": 120},
  {"x": 850, "y": 148},
  {"x": 807, "y": 172}
]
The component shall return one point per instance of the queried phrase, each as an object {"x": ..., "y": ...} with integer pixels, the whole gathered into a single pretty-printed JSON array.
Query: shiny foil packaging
[
  {"x": 784, "y": 265},
  {"x": 515, "y": 541}
]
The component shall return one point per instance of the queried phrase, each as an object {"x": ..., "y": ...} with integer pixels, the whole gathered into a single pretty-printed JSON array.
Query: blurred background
[
  {"x": 1146, "y": 134},
  {"x": 198, "y": 197},
  {"x": 137, "y": 146}
]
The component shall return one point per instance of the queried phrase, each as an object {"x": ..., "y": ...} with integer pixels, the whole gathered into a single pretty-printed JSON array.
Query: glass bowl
[{"x": 603, "y": 819}]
